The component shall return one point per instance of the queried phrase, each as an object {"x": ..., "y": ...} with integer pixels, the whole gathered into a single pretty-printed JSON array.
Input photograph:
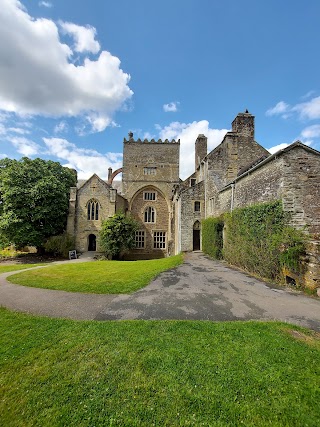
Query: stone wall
[
  {"x": 93, "y": 189},
  {"x": 154, "y": 163},
  {"x": 160, "y": 224},
  {"x": 188, "y": 214}
]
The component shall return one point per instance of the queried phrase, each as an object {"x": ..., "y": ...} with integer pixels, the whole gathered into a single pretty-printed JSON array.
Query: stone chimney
[
  {"x": 200, "y": 149},
  {"x": 243, "y": 124}
]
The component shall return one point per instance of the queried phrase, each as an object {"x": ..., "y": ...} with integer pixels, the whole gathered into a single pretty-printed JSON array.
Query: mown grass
[
  {"x": 57, "y": 372},
  {"x": 100, "y": 277},
  {"x": 14, "y": 267}
]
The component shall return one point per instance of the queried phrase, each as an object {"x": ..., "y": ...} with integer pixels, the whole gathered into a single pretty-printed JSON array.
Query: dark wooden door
[
  {"x": 196, "y": 240},
  {"x": 92, "y": 242}
]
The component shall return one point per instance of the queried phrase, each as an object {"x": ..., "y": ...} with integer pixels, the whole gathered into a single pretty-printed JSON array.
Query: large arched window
[
  {"x": 149, "y": 214},
  {"x": 93, "y": 210}
]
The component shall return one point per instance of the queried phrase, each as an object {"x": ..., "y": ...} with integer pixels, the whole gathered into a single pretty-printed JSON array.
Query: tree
[
  {"x": 118, "y": 234},
  {"x": 34, "y": 199}
]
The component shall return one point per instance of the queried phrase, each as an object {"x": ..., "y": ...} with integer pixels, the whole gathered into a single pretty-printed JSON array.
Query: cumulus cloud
[
  {"x": 277, "y": 148},
  {"x": 85, "y": 161},
  {"x": 281, "y": 108},
  {"x": 84, "y": 37},
  {"x": 311, "y": 132},
  {"x": 37, "y": 76},
  {"x": 25, "y": 146},
  {"x": 309, "y": 110},
  {"x": 45, "y": 4},
  {"x": 188, "y": 133},
  {"x": 172, "y": 107}
]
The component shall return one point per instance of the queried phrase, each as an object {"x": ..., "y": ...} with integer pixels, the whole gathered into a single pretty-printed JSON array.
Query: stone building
[
  {"x": 237, "y": 173},
  {"x": 150, "y": 172}
]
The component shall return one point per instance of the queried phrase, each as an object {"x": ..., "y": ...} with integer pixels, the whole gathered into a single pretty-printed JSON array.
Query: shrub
[
  {"x": 118, "y": 235},
  {"x": 60, "y": 245},
  {"x": 212, "y": 240}
]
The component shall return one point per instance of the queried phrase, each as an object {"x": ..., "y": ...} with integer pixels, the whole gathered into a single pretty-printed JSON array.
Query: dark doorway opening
[
  {"x": 92, "y": 242},
  {"x": 196, "y": 236}
]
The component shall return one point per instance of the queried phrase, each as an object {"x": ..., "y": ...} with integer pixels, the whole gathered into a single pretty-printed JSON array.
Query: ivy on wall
[{"x": 257, "y": 239}]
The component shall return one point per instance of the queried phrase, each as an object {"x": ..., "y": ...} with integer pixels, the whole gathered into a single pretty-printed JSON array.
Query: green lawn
[
  {"x": 56, "y": 372},
  {"x": 99, "y": 277},
  {"x": 13, "y": 267}
]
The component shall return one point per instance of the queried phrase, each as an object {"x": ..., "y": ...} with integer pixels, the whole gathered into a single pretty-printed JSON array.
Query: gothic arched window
[
  {"x": 93, "y": 210},
  {"x": 149, "y": 214}
]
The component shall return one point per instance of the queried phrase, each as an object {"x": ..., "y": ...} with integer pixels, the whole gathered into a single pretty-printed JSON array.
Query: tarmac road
[{"x": 200, "y": 288}]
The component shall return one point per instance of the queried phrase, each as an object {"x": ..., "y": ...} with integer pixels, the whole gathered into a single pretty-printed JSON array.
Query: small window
[
  {"x": 197, "y": 206},
  {"x": 93, "y": 210},
  {"x": 193, "y": 182},
  {"x": 149, "y": 171},
  {"x": 149, "y": 195},
  {"x": 140, "y": 239},
  {"x": 149, "y": 214},
  {"x": 159, "y": 240}
]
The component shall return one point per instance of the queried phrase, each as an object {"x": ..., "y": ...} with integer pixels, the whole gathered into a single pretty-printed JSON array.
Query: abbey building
[{"x": 237, "y": 173}]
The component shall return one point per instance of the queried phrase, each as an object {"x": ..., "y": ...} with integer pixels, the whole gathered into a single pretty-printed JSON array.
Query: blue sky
[{"x": 77, "y": 76}]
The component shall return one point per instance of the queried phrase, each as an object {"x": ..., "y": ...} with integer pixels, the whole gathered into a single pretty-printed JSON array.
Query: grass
[
  {"x": 14, "y": 267},
  {"x": 99, "y": 277},
  {"x": 56, "y": 372}
]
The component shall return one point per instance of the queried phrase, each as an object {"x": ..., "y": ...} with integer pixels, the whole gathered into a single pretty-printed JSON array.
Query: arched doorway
[
  {"x": 92, "y": 242},
  {"x": 196, "y": 236}
]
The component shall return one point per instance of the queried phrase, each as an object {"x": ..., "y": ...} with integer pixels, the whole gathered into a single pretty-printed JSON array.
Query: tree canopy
[
  {"x": 34, "y": 199},
  {"x": 118, "y": 234}
]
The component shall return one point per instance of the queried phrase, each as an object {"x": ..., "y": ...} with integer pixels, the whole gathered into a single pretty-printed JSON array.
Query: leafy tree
[
  {"x": 118, "y": 234},
  {"x": 34, "y": 198}
]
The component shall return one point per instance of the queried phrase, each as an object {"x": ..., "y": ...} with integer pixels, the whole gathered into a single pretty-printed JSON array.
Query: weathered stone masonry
[{"x": 237, "y": 173}]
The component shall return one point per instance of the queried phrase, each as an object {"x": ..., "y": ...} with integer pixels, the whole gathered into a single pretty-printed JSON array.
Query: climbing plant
[{"x": 256, "y": 238}]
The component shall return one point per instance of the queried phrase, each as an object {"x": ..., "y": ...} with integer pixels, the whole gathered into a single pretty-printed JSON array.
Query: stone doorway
[
  {"x": 92, "y": 246},
  {"x": 196, "y": 236}
]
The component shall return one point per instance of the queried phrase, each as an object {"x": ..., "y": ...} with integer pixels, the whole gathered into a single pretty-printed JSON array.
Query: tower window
[
  {"x": 149, "y": 214},
  {"x": 193, "y": 182},
  {"x": 197, "y": 206},
  {"x": 149, "y": 195},
  {"x": 159, "y": 240},
  {"x": 150, "y": 171},
  {"x": 93, "y": 210}
]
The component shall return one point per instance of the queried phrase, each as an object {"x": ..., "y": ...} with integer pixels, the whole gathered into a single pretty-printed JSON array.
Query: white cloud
[
  {"x": 24, "y": 146},
  {"x": 45, "y": 4},
  {"x": 172, "y": 107},
  {"x": 84, "y": 37},
  {"x": 85, "y": 161},
  {"x": 309, "y": 110},
  {"x": 30, "y": 84},
  {"x": 281, "y": 108},
  {"x": 277, "y": 148},
  {"x": 311, "y": 132},
  {"x": 188, "y": 133},
  {"x": 61, "y": 127},
  {"x": 3, "y": 156}
]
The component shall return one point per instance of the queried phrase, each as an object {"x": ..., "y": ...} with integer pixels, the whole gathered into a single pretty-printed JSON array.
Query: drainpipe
[{"x": 232, "y": 196}]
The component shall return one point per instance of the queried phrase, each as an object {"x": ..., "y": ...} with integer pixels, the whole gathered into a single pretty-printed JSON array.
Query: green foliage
[
  {"x": 118, "y": 234},
  {"x": 60, "y": 245},
  {"x": 33, "y": 200},
  {"x": 98, "y": 277},
  {"x": 57, "y": 372},
  {"x": 212, "y": 239},
  {"x": 258, "y": 240}
]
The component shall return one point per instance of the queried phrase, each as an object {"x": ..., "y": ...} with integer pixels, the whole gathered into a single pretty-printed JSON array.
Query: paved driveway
[{"x": 200, "y": 288}]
